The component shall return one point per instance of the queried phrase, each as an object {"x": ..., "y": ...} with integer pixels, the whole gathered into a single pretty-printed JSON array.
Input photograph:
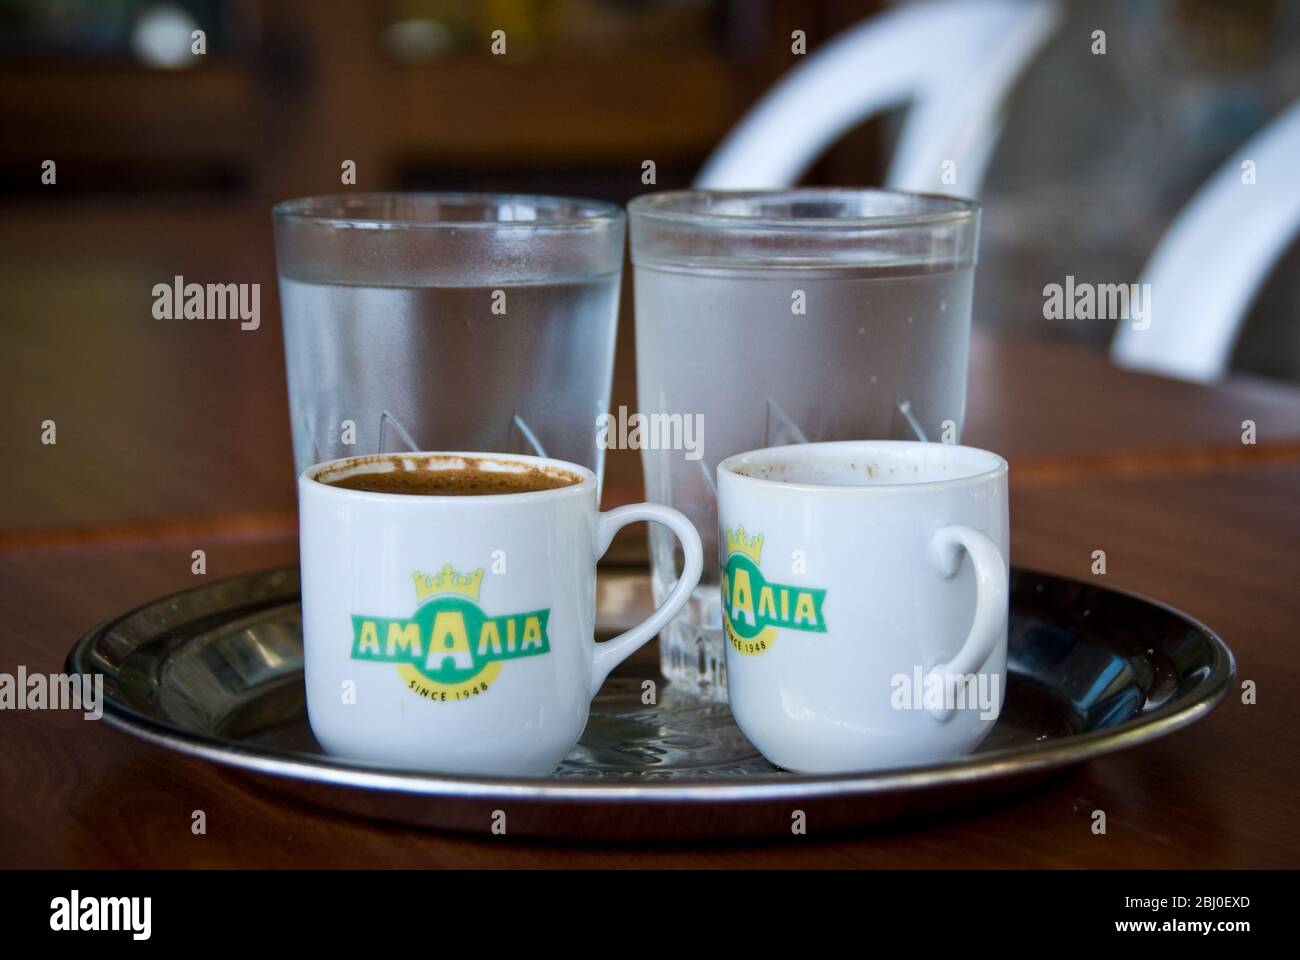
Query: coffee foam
[{"x": 450, "y": 476}]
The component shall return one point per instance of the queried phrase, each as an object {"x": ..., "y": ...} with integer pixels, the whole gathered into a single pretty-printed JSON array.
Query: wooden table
[{"x": 1152, "y": 471}]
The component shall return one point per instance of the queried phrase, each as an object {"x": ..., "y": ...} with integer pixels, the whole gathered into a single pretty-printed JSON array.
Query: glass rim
[
  {"x": 584, "y": 212},
  {"x": 950, "y": 210}
]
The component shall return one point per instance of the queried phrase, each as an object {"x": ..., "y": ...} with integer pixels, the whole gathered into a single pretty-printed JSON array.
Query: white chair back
[
  {"x": 1208, "y": 267},
  {"x": 953, "y": 60}
]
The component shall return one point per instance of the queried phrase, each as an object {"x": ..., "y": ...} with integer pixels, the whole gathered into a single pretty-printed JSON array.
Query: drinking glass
[
  {"x": 789, "y": 316},
  {"x": 442, "y": 321}
]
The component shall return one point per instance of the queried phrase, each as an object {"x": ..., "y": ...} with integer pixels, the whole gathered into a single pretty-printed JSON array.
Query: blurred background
[{"x": 167, "y": 164}]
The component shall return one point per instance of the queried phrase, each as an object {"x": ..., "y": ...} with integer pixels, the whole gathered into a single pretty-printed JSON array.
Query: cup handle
[
  {"x": 991, "y": 598},
  {"x": 611, "y": 653}
]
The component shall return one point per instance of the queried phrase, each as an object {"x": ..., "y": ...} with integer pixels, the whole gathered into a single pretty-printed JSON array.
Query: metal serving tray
[{"x": 216, "y": 672}]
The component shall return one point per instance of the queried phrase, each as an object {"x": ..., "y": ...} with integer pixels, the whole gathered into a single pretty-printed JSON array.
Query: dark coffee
[{"x": 468, "y": 478}]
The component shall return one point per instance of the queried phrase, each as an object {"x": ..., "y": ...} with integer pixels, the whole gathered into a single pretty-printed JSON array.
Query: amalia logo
[
  {"x": 753, "y": 608},
  {"x": 449, "y": 649}
]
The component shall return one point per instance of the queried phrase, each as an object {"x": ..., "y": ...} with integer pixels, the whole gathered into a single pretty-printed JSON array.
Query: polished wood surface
[{"x": 1151, "y": 471}]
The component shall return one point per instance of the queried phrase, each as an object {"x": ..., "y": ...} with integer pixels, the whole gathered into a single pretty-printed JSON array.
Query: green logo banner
[
  {"x": 751, "y": 603},
  {"x": 449, "y": 640}
]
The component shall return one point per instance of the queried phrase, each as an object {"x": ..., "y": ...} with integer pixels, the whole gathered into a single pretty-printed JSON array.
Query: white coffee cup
[
  {"x": 456, "y": 632},
  {"x": 865, "y": 598}
]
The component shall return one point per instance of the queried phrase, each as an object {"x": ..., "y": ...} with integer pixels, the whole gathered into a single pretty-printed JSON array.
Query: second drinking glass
[{"x": 778, "y": 317}]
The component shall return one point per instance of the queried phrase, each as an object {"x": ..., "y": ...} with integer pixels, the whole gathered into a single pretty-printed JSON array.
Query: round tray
[{"x": 216, "y": 672}]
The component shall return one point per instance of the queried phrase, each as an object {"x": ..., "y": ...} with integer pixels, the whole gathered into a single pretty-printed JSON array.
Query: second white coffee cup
[{"x": 865, "y": 598}]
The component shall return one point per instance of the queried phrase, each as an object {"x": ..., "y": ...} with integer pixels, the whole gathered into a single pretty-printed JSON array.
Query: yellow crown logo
[
  {"x": 447, "y": 580},
  {"x": 738, "y": 542}
]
